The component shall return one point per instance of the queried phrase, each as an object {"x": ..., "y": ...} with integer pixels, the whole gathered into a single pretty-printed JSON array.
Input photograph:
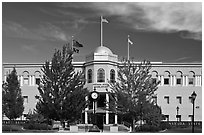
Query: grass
[{"x": 183, "y": 130}]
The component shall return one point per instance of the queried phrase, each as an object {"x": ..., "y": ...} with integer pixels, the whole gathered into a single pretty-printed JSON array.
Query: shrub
[
  {"x": 148, "y": 128},
  {"x": 165, "y": 125},
  {"x": 12, "y": 128},
  {"x": 37, "y": 126}
]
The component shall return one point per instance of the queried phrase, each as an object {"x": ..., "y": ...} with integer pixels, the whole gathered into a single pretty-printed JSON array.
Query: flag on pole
[
  {"x": 77, "y": 44},
  {"x": 75, "y": 50},
  {"x": 103, "y": 20},
  {"x": 129, "y": 41}
]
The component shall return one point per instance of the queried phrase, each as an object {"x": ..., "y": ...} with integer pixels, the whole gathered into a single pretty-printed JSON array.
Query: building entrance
[{"x": 100, "y": 120}]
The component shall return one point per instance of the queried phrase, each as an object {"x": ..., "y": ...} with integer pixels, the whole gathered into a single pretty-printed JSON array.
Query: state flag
[
  {"x": 129, "y": 41},
  {"x": 77, "y": 44},
  {"x": 75, "y": 50},
  {"x": 104, "y": 20}
]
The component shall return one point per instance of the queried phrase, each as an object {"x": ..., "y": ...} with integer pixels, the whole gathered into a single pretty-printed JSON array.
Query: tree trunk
[{"x": 133, "y": 124}]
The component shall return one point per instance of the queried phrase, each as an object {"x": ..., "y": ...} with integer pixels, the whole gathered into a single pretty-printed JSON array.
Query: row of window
[
  {"x": 26, "y": 81},
  {"x": 178, "y": 117},
  {"x": 167, "y": 99},
  {"x": 191, "y": 81},
  {"x": 100, "y": 75}
]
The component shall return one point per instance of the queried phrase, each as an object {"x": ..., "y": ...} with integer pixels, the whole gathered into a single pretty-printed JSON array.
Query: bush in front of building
[
  {"x": 9, "y": 128},
  {"x": 149, "y": 128},
  {"x": 37, "y": 126},
  {"x": 165, "y": 125}
]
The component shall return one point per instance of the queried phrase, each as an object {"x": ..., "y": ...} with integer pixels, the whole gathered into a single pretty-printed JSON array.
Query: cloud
[
  {"x": 52, "y": 32},
  {"x": 13, "y": 29},
  {"x": 157, "y": 16},
  {"x": 45, "y": 31},
  {"x": 182, "y": 58},
  {"x": 29, "y": 48}
]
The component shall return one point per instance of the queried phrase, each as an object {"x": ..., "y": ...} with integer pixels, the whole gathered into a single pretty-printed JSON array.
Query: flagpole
[
  {"x": 128, "y": 49},
  {"x": 101, "y": 31},
  {"x": 72, "y": 48},
  {"x": 72, "y": 42}
]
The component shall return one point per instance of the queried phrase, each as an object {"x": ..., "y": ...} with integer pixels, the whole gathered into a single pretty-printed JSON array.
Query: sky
[{"x": 161, "y": 32}]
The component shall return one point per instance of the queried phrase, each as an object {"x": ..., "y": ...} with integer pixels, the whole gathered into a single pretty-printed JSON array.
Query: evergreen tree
[
  {"x": 12, "y": 100},
  {"x": 62, "y": 96},
  {"x": 134, "y": 89}
]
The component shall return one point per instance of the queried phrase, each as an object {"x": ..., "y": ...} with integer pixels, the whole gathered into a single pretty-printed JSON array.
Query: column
[
  {"x": 107, "y": 106},
  {"x": 86, "y": 111},
  {"x": 30, "y": 80},
  {"x": 174, "y": 80},
  {"x": 171, "y": 80},
  {"x": 162, "y": 80},
  {"x": 200, "y": 80},
  {"x": 116, "y": 119},
  {"x": 183, "y": 80},
  {"x": 196, "y": 80},
  {"x": 5, "y": 78},
  {"x": 21, "y": 80},
  {"x": 33, "y": 82},
  {"x": 116, "y": 115},
  {"x": 186, "y": 80},
  {"x": 159, "y": 78}
]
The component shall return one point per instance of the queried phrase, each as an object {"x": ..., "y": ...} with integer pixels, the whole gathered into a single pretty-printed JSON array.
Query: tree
[
  {"x": 12, "y": 100},
  {"x": 134, "y": 89},
  {"x": 62, "y": 96}
]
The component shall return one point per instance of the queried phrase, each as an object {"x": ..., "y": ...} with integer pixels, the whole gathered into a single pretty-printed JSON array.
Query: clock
[{"x": 94, "y": 95}]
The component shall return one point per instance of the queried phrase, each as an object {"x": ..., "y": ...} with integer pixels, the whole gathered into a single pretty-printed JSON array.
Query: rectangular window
[
  {"x": 37, "y": 81},
  {"x": 166, "y": 117},
  {"x": 178, "y": 117},
  {"x": 25, "y": 98},
  {"x": 167, "y": 99},
  {"x": 178, "y": 81},
  {"x": 190, "y": 81},
  {"x": 190, "y": 117},
  {"x": 179, "y": 99},
  {"x": 166, "y": 81},
  {"x": 25, "y": 81},
  {"x": 154, "y": 80},
  {"x": 154, "y": 98}
]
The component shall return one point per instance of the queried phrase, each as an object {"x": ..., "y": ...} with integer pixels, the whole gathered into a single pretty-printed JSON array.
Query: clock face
[{"x": 94, "y": 95}]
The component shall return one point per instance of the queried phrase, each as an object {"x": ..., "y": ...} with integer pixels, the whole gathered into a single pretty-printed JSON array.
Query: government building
[{"x": 178, "y": 82}]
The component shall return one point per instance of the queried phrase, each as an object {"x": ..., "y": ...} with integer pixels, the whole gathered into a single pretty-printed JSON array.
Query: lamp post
[
  {"x": 94, "y": 96},
  {"x": 177, "y": 110},
  {"x": 193, "y": 96}
]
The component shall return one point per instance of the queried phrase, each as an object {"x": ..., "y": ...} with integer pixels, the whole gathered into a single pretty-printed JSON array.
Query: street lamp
[
  {"x": 193, "y": 96},
  {"x": 177, "y": 110}
]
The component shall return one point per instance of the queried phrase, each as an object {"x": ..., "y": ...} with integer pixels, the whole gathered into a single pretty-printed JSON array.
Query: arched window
[
  {"x": 166, "y": 78},
  {"x": 37, "y": 77},
  {"x": 154, "y": 76},
  {"x": 26, "y": 78},
  {"x": 89, "y": 76},
  {"x": 101, "y": 75},
  {"x": 191, "y": 78},
  {"x": 112, "y": 76},
  {"x": 178, "y": 78}
]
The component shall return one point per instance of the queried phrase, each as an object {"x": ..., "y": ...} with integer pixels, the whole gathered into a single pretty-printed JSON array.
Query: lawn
[
  {"x": 19, "y": 129},
  {"x": 183, "y": 130}
]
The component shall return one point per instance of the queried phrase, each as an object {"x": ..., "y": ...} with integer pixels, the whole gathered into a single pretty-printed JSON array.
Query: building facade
[{"x": 178, "y": 81}]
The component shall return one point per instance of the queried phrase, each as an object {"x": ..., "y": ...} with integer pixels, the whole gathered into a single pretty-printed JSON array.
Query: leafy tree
[
  {"x": 12, "y": 100},
  {"x": 134, "y": 89},
  {"x": 62, "y": 96}
]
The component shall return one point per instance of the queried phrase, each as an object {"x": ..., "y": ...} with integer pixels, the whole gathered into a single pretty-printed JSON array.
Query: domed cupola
[
  {"x": 103, "y": 50},
  {"x": 102, "y": 53}
]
